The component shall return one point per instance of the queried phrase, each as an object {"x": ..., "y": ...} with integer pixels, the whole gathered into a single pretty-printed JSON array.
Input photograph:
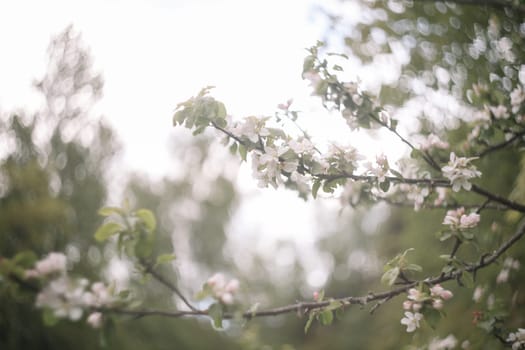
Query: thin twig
[
  {"x": 168, "y": 284},
  {"x": 303, "y": 307}
]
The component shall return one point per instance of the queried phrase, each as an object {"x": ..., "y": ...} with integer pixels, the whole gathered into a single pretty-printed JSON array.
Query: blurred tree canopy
[{"x": 423, "y": 59}]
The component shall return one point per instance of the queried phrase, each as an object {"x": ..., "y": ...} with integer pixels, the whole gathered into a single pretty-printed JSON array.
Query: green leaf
[
  {"x": 326, "y": 317},
  {"x": 107, "y": 211},
  {"x": 107, "y": 230},
  {"x": 315, "y": 188},
  {"x": 215, "y": 312},
  {"x": 221, "y": 110},
  {"x": 390, "y": 276},
  {"x": 49, "y": 318},
  {"x": 467, "y": 279},
  {"x": 414, "y": 267},
  {"x": 384, "y": 186},
  {"x": 339, "y": 313},
  {"x": 242, "y": 152},
  {"x": 432, "y": 317},
  {"x": 164, "y": 258},
  {"x": 396, "y": 173},
  {"x": 311, "y": 317},
  {"x": 25, "y": 259},
  {"x": 124, "y": 293},
  {"x": 147, "y": 217},
  {"x": 144, "y": 245},
  {"x": 233, "y": 148}
]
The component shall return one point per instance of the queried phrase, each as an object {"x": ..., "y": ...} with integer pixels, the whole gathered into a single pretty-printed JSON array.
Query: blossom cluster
[
  {"x": 459, "y": 171},
  {"x": 418, "y": 300},
  {"x": 221, "y": 289},
  {"x": 517, "y": 339},
  {"x": 457, "y": 219},
  {"x": 65, "y": 296}
]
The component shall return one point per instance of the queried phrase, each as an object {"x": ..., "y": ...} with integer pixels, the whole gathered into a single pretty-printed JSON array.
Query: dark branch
[
  {"x": 149, "y": 269},
  {"x": 303, "y": 307}
]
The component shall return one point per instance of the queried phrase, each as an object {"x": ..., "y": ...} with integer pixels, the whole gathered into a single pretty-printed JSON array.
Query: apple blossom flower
[
  {"x": 95, "y": 319},
  {"x": 267, "y": 166},
  {"x": 517, "y": 96},
  {"x": 415, "y": 294},
  {"x": 285, "y": 106},
  {"x": 438, "y": 291},
  {"x": 53, "y": 262},
  {"x": 432, "y": 141},
  {"x": 64, "y": 296},
  {"x": 459, "y": 172},
  {"x": 251, "y": 128},
  {"x": 442, "y": 195},
  {"x": 517, "y": 339},
  {"x": 301, "y": 146},
  {"x": 458, "y": 220},
  {"x": 222, "y": 290},
  {"x": 499, "y": 112},
  {"x": 437, "y": 304},
  {"x": 411, "y": 320},
  {"x": 450, "y": 342}
]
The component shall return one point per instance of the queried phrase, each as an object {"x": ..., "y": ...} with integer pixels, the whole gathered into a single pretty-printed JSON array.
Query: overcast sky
[{"x": 154, "y": 54}]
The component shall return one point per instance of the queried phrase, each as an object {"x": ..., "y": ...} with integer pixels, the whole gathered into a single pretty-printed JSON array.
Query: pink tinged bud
[
  {"x": 503, "y": 276},
  {"x": 31, "y": 274},
  {"x": 407, "y": 305},
  {"x": 95, "y": 320},
  {"x": 227, "y": 298},
  {"x": 437, "y": 304},
  {"x": 316, "y": 295},
  {"x": 232, "y": 286},
  {"x": 446, "y": 294},
  {"x": 417, "y": 306}
]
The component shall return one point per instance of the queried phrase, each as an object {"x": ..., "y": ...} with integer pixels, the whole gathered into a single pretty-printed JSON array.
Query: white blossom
[
  {"x": 251, "y": 128},
  {"x": 411, "y": 320},
  {"x": 52, "y": 263},
  {"x": 302, "y": 146},
  {"x": 64, "y": 296},
  {"x": 517, "y": 96},
  {"x": 499, "y": 112},
  {"x": 450, "y": 342},
  {"x": 438, "y": 291},
  {"x": 95, "y": 319},
  {"x": 222, "y": 290},
  {"x": 432, "y": 141},
  {"x": 301, "y": 181},
  {"x": 267, "y": 166},
  {"x": 459, "y": 172},
  {"x": 517, "y": 339},
  {"x": 458, "y": 220}
]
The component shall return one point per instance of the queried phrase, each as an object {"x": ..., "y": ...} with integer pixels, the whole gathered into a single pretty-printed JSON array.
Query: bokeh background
[{"x": 87, "y": 91}]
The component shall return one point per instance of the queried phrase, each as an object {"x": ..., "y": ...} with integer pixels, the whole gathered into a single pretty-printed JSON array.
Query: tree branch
[
  {"x": 149, "y": 269},
  {"x": 303, "y": 307}
]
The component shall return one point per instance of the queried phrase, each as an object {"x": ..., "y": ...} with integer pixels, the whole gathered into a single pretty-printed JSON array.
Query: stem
[
  {"x": 169, "y": 285},
  {"x": 303, "y": 307}
]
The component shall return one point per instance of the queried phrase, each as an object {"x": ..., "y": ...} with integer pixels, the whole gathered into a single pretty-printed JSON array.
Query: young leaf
[
  {"x": 107, "y": 230},
  {"x": 49, "y": 318},
  {"x": 147, "y": 218},
  {"x": 390, "y": 276},
  {"x": 215, "y": 312},
  {"x": 311, "y": 317},
  {"x": 107, "y": 211},
  {"x": 242, "y": 152},
  {"x": 164, "y": 258},
  {"x": 315, "y": 188},
  {"x": 326, "y": 317}
]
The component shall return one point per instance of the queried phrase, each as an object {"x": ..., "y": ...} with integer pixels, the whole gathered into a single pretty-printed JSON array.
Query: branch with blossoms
[{"x": 429, "y": 179}]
